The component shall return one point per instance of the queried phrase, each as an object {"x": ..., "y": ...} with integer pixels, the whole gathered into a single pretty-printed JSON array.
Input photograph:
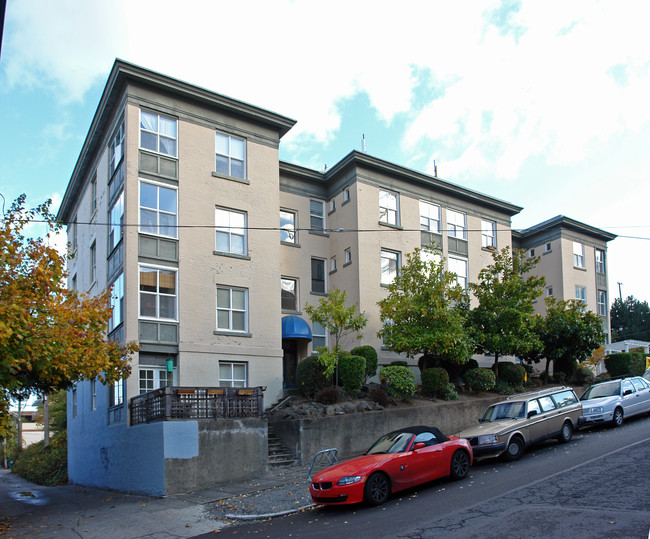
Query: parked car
[
  {"x": 613, "y": 400},
  {"x": 398, "y": 460},
  {"x": 646, "y": 375},
  {"x": 507, "y": 428}
]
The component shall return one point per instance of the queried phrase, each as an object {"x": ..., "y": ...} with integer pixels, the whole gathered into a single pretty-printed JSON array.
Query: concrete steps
[{"x": 279, "y": 455}]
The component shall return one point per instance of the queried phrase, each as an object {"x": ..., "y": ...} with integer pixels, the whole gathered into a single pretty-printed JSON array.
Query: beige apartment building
[{"x": 214, "y": 246}]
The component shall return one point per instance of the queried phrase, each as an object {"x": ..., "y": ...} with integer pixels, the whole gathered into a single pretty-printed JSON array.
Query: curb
[{"x": 270, "y": 515}]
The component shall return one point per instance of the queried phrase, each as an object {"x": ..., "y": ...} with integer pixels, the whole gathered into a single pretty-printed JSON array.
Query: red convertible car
[{"x": 398, "y": 460}]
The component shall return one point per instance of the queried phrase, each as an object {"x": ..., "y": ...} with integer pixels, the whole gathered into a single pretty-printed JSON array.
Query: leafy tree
[
  {"x": 340, "y": 320},
  {"x": 568, "y": 333},
  {"x": 630, "y": 319},
  {"x": 501, "y": 324},
  {"x": 425, "y": 312},
  {"x": 50, "y": 337}
]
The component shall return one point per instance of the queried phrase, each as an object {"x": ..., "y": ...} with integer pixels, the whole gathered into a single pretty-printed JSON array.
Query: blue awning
[{"x": 294, "y": 327}]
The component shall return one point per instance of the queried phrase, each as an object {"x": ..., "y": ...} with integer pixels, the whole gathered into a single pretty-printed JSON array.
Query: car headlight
[
  {"x": 485, "y": 439},
  {"x": 348, "y": 480},
  {"x": 597, "y": 410}
]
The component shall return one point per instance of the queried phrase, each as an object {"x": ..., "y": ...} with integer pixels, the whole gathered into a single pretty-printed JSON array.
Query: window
[
  {"x": 74, "y": 402},
  {"x": 288, "y": 226},
  {"x": 332, "y": 206},
  {"x": 93, "y": 395},
  {"x": 488, "y": 233},
  {"x": 231, "y": 231},
  {"x": 533, "y": 406},
  {"x": 348, "y": 256},
  {"x": 547, "y": 404},
  {"x": 116, "y": 149},
  {"x": 93, "y": 261},
  {"x": 230, "y": 156},
  {"x": 232, "y": 309},
  {"x": 93, "y": 193},
  {"x": 153, "y": 377},
  {"x": 600, "y": 261},
  {"x": 332, "y": 264},
  {"x": 564, "y": 398},
  {"x": 346, "y": 196},
  {"x": 318, "y": 275},
  {"x": 459, "y": 267},
  {"x": 73, "y": 284},
  {"x": 578, "y": 255},
  {"x": 319, "y": 337},
  {"x": 317, "y": 216},
  {"x": 429, "y": 217},
  {"x": 158, "y": 133},
  {"x": 456, "y": 224},
  {"x": 388, "y": 207},
  {"x": 233, "y": 374},
  {"x": 547, "y": 247},
  {"x": 116, "y": 396},
  {"x": 602, "y": 303},
  {"x": 581, "y": 294},
  {"x": 531, "y": 253},
  {"x": 158, "y": 210},
  {"x": 72, "y": 235},
  {"x": 117, "y": 303},
  {"x": 289, "y": 294},
  {"x": 116, "y": 218},
  {"x": 549, "y": 291},
  {"x": 390, "y": 264},
  {"x": 157, "y": 293}
]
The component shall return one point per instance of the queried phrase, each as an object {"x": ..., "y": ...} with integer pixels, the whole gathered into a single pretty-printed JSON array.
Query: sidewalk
[{"x": 29, "y": 510}]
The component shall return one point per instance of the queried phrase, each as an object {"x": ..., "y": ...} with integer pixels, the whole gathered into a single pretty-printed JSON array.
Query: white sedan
[{"x": 614, "y": 400}]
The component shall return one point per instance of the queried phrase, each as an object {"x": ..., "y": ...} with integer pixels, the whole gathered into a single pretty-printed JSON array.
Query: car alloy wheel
[
  {"x": 459, "y": 464},
  {"x": 618, "y": 417},
  {"x": 567, "y": 432},
  {"x": 377, "y": 489}
]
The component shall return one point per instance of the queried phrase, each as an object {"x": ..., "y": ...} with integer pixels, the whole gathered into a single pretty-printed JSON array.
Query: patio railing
[{"x": 172, "y": 403}]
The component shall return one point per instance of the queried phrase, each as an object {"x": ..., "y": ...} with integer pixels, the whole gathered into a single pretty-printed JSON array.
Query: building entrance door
[{"x": 289, "y": 364}]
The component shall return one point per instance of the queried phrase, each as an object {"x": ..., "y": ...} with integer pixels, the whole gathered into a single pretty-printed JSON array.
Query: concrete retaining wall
[{"x": 352, "y": 434}]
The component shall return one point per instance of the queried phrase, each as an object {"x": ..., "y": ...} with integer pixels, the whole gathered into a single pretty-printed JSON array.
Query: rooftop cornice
[{"x": 561, "y": 221}]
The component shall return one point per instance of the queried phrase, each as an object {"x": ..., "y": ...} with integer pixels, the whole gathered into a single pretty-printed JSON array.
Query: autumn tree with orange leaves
[{"x": 50, "y": 337}]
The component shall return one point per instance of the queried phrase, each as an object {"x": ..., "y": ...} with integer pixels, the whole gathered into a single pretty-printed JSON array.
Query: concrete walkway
[{"x": 29, "y": 510}]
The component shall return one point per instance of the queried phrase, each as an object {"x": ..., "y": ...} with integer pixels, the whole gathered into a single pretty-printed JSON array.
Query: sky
[{"x": 543, "y": 104}]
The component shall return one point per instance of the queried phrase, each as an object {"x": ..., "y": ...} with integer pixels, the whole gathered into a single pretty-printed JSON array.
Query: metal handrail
[{"x": 324, "y": 458}]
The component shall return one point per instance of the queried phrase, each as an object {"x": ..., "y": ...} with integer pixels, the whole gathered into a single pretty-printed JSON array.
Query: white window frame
[
  {"x": 333, "y": 264},
  {"x": 117, "y": 303},
  {"x": 159, "y": 379},
  {"x": 390, "y": 263},
  {"x": 346, "y": 196},
  {"x": 581, "y": 294},
  {"x": 230, "y": 310},
  {"x": 531, "y": 253},
  {"x": 317, "y": 215},
  {"x": 322, "y": 263},
  {"x": 93, "y": 193},
  {"x": 428, "y": 221},
  {"x": 549, "y": 291},
  {"x": 547, "y": 247},
  {"x": 348, "y": 256},
  {"x": 72, "y": 234},
  {"x": 157, "y": 294},
  {"x": 229, "y": 156},
  {"x": 456, "y": 224},
  {"x": 228, "y": 232},
  {"x": 488, "y": 234},
  {"x": 93, "y": 395},
  {"x": 116, "y": 393},
  {"x": 579, "y": 255},
  {"x": 93, "y": 261},
  {"x": 232, "y": 381},
  {"x": 600, "y": 261},
  {"x": 288, "y": 224},
  {"x": 74, "y": 402},
  {"x": 389, "y": 207},
  {"x": 318, "y": 332},
  {"x": 155, "y": 228},
  {"x": 332, "y": 206},
  {"x": 601, "y": 302},
  {"x": 116, "y": 222},
  {"x": 453, "y": 266},
  {"x": 285, "y": 285},
  {"x": 156, "y": 132},
  {"x": 116, "y": 149}
]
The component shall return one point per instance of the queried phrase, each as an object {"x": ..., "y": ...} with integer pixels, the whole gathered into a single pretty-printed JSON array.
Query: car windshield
[
  {"x": 607, "y": 389},
  {"x": 395, "y": 442},
  {"x": 505, "y": 410}
]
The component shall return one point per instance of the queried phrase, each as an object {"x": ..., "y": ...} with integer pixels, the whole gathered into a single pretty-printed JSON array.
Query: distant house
[
  {"x": 626, "y": 346},
  {"x": 214, "y": 246}
]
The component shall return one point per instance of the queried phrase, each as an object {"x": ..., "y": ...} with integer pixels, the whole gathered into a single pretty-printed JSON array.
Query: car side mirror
[
  {"x": 480, "y": 420},
  {"x": 532, "y": 413},
  {"x": 419, "y": 445},
  {"x": 627, "y": 392}
]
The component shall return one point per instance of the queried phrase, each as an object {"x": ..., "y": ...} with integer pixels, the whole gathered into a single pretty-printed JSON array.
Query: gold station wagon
[{"x": 509, "y": 427}]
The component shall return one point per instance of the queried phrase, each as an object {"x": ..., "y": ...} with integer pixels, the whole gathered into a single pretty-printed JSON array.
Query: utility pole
[{"x": 620, "y": 294}]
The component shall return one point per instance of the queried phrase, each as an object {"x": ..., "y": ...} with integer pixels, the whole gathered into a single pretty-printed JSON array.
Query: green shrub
[
  {"x": 468, "y": 366},
  {"x": 44, "y": 465},
  {"x": 371, "y": 358},
  {"x": 399, "y": 363},
  {"x": 480, "y": 379},
  {"x": 503, "y": 388},
  {"x": 625, "y": 363},
  {"x": 352, "y": 372},
  {"x": 584, "y": 376},
  {"x": 329, "y": 395},
  {"x": 513, "y": 375},
  {"x": 434, "y": 381},
  {"x": 399, "y": 381},
  {"x": 450, "y": 393},
  {"x": 310, "y": 378},
  {"x": 559, "y": 377},
  {"x": 380, "y": 396}
]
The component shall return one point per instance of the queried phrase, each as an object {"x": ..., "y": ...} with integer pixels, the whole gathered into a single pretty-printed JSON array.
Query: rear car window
[
  {"x": 546, "y": 403},
  {"x": 564, "y": 398}
]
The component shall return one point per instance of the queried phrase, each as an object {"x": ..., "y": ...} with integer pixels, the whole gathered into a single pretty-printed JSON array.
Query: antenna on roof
[
  {"x": 435, "y": 168},
  {"x": 325, "y": 167},
  {"x": 363, "y": 143}
]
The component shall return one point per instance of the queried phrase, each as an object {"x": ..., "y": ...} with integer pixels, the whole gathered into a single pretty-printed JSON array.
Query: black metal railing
[{"x": 172, "y": 403}]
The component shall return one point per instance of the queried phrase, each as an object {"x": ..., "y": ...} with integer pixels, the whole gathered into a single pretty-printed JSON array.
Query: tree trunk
[
  {"x": 19, "y": 427},
  {"x": 548, "y": 364},
  {"x": 46, "y": 421},
  {"x": 496, "y": 365}
]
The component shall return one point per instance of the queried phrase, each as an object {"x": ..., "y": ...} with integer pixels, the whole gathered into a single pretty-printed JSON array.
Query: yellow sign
[{"x": 647, "y": 363}]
